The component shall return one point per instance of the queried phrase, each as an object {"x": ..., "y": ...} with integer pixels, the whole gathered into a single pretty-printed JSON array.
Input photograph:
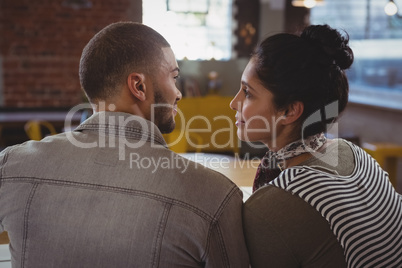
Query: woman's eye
[
  {"x": 246, "y": 93},
  {"x": 176, "y": 77}
]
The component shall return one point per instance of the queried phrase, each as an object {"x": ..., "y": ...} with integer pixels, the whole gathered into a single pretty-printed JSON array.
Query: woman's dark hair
[
  {"x": 307, "y": 68},
  {"x": 116, "y": 51}
]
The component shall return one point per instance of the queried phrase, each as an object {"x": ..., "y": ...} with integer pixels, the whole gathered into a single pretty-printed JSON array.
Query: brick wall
[{"x": 41, "y": 43}]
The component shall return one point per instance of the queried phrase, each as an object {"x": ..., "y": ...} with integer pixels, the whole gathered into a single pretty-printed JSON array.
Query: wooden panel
[
  {"x": 4, "y": 238},
  {"x": 248, "y": 20}
]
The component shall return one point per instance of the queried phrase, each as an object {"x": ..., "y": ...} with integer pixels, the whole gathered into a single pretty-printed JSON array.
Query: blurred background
[{"x": 41, "y": 43}]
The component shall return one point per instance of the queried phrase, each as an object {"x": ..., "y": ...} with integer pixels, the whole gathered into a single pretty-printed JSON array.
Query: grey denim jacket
[{"x": 110, "y": 194}]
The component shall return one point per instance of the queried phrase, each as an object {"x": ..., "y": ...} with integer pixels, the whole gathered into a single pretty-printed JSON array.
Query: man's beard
[{"x": 163, "y": 117}]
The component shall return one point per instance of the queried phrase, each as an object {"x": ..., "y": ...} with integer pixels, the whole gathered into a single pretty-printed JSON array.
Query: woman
[{"x": 317, "y": 202}]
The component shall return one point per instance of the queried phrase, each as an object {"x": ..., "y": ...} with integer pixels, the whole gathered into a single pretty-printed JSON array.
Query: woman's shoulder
[
  {"x": 285, "y": 225},
  {"x": 340, "y": 159}
]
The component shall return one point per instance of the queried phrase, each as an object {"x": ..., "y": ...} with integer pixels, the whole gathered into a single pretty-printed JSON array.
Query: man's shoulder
[
  {"x": 12, "y": 149},
  {"x": 196, "y": 183},
  {"x": 196, "y": 171},
  {"x": 33, "y": 146}
]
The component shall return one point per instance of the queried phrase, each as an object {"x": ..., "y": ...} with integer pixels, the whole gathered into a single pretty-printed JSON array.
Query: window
[
  {"x": 196, "y": 30},
  {"x": 376, "y": 38}
]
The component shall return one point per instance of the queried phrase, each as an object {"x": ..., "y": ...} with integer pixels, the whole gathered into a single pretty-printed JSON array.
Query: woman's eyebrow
[{"x": 244, "y": 83}]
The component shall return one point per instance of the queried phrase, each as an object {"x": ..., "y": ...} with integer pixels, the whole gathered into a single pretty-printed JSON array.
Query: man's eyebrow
[{"x": 175, "y": 69}]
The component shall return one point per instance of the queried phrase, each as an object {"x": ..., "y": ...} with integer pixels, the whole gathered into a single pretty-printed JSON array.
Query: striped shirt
[{"x": 363, "y": 210}]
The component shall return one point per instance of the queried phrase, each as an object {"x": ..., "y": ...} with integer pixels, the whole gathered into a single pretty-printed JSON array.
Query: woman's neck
[
  {"x": 295, "y": 161},
  {"x": 283, "y": 137}
]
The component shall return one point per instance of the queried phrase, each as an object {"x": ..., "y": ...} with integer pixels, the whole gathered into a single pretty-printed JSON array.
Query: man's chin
[{"x": 167, "y": 128}]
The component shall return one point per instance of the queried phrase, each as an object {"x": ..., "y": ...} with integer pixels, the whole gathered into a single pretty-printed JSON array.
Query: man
[{"x": 110, "y": 194}]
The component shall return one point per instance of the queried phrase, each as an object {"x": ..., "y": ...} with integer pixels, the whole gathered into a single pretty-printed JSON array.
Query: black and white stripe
[{"x": 363, "y": 210}]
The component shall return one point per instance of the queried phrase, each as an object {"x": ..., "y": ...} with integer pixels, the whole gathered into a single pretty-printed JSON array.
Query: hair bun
[{"x": 334, "y": 45}]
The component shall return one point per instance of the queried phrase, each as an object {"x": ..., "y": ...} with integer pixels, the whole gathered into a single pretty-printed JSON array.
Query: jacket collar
[{"x": 123, "y": 125}]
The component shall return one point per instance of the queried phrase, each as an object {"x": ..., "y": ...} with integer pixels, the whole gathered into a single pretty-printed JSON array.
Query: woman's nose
[{"x": 235, "y": 104}]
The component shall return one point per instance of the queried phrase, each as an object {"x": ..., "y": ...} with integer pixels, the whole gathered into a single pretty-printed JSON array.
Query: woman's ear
[
  {"x": 293, "y": 112},
  {"x": 136, "y": 85}
]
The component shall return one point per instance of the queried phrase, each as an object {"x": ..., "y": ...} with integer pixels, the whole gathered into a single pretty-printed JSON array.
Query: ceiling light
[
  {"x": 390, "y": 8},
  {"x": 307, "y": 3}
]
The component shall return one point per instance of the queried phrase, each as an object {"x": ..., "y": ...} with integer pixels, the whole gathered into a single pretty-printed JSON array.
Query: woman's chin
[{"x": 243, "y": 136}]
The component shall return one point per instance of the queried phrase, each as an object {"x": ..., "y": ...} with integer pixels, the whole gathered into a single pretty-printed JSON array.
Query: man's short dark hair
[{"x": 116, "y": 51}]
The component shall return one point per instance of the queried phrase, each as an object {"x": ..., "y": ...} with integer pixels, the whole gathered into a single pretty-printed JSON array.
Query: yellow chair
[
  {"x": 386, "y": 154},
  {"x": 33, "y": 129},
  {"x": 4, "y": 238},
  {"x": 180, "y": 141},
  {"x": 212, "y": 119}
]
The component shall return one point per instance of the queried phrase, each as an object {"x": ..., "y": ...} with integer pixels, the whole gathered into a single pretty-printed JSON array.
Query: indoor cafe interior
[{"x": 41, "y": 43}]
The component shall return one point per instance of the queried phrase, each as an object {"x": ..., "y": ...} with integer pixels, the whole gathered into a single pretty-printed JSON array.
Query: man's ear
[
  {"x": 136, "y": 85},
  {"x": 293, "y": 112}
]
